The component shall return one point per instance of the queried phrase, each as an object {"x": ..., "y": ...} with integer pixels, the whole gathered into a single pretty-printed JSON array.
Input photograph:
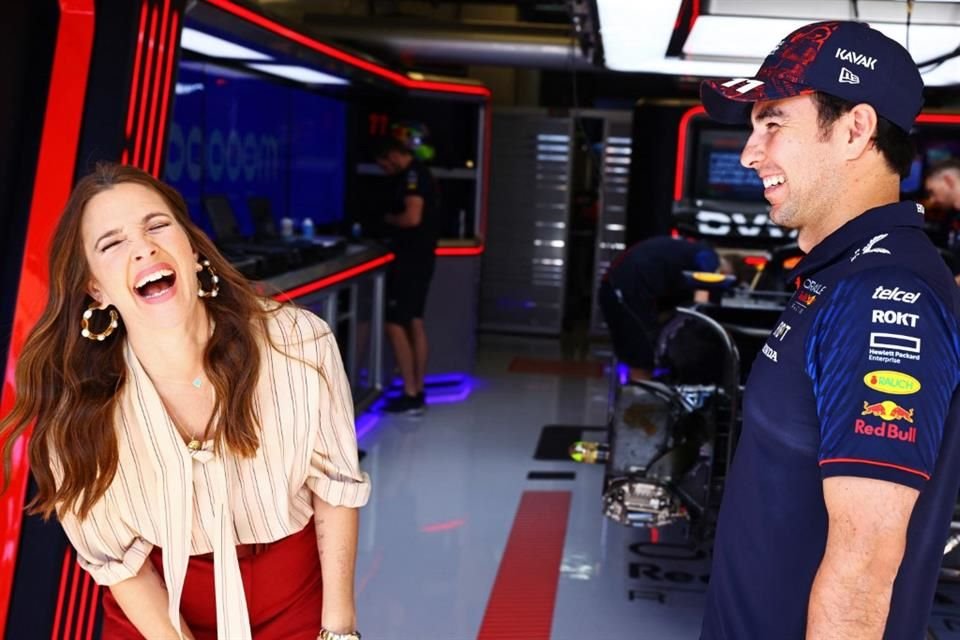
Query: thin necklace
[{"x": 195, "y": 443}]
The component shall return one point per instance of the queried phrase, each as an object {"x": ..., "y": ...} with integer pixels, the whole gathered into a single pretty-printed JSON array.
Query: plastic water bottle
[
  {"x": 306, "y": 228},
  {"x": 286, "y": 228}
]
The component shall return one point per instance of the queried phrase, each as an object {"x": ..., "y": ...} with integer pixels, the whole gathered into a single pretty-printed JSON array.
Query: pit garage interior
[{"x": 540, "y": 495}]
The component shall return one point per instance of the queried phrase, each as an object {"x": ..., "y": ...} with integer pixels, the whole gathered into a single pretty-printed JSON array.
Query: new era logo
[{"x": 848, "y": 77}]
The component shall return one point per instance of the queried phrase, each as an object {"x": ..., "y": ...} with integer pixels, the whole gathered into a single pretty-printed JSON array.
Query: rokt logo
[
  {"x": 901, "y": 318},
  {"x": 893, "y": 382}
]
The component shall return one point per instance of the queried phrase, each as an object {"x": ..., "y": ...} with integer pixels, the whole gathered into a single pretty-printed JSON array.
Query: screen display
[
  {"x": 242, "y": 135},
  {"x": 718, "y": 174}
]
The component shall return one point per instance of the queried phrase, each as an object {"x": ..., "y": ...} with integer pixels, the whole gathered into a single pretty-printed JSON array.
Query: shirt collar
[{"x": 886, "y": 217}]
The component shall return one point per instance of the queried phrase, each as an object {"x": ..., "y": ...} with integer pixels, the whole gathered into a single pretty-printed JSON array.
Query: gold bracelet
[{"x": 330, "y": 635}]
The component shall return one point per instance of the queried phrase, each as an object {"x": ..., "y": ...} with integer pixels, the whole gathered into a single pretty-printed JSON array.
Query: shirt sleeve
[
  {"x": 883, "y": 359},
  {"x": 107, "y": 549},
  {"x": 334, "y": 472},
  {"x": 414, "y": 182}
]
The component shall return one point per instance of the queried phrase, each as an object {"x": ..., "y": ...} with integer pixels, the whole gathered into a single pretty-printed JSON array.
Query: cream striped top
[{"x": 192, "y": 503}]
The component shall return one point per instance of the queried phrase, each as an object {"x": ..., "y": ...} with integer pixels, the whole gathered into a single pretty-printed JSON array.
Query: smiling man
[{"x": 843, "y": 484}]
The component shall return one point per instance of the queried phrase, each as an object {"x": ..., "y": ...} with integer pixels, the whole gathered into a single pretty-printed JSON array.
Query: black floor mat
[{"x": 555, "y": 440}]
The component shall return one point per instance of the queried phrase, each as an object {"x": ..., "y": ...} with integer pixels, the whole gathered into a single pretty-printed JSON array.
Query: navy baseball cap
[{"x": 848, "y": 60}]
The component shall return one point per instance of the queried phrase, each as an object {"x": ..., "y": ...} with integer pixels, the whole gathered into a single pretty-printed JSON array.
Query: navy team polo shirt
[{"x": 859, "y": 378}]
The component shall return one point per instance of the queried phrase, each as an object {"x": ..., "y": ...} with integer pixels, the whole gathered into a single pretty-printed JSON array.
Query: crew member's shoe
[{"x": 409, "y": 405}]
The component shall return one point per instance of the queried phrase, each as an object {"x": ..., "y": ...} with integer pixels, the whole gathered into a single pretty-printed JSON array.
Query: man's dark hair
[
  {"x": 382, "y": 147},
  {"x": 950, "y": 164},
  {"x": 894, "y": 143}
]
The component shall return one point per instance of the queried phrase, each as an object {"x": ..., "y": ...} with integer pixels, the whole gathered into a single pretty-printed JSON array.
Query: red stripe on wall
[
  {"x": 524, "y": 592},
  {"x": 64, "y": 574},
  {"x": 92, "y": 615},
  {"x": 174, "y": 39},
  {"x": 83, "y": 604},
  {"x": 51, "y": 188},
  {"x": 145, "y": 89},
  {"x": 72, "y": 598},
  {"x": 160, "y": 47},
  {"x": 132, "y": 107}
]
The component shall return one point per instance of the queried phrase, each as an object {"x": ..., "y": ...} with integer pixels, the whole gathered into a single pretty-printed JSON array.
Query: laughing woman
[{"x": 196, "y": 441}]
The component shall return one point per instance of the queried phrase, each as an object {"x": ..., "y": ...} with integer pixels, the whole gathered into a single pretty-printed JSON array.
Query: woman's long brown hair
[{"x": 70, "y": 385}]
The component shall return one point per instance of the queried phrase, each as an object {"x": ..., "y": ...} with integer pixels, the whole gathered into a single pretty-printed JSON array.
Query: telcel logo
[
  {"x": 896, "y": 295},
  {"x": 892, "y": 382}
]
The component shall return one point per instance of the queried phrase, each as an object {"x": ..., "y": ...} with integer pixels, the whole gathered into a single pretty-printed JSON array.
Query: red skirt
[{"x": 281, "y": 580}]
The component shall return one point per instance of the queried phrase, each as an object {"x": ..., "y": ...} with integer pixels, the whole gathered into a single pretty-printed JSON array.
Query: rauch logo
[{"x": 892, "y": 382}]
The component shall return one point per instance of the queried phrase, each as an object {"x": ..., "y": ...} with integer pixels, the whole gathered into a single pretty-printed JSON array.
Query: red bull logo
[
  {"x": 887, "y": 410},
  {"x": 886, "y": 430}
]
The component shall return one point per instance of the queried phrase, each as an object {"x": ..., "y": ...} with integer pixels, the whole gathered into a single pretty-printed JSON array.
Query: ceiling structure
[
  {"x": 681, "y": 39},
  {"x": 424, "y": 33}
]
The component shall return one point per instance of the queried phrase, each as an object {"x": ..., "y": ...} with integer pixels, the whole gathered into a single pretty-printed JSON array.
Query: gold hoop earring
[
  {"x": 214, "y": 280},
  {"x": 85, "y": 324}
]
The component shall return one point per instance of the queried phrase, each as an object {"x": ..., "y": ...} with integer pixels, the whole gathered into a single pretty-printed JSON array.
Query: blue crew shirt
[{"x": 859, "y": 378}]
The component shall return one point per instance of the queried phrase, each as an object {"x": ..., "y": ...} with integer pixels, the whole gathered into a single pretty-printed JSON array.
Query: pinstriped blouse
[{"x": 193, "y": 503}]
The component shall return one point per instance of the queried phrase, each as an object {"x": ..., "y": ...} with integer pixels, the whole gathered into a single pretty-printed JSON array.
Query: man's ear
[
  {"x": 949, "y": 179},
  {"x": 861, "y": 127}
]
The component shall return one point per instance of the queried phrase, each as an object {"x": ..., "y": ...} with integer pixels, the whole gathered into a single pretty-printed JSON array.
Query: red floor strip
[
  {"x": 571, "y": 368},
  {"x": 525, "y": 590}
]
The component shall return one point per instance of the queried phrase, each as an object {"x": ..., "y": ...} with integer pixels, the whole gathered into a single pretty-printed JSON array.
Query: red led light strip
[
  {"x": 682, "y": 149},
  {"x": 342, "y": 56},
  {"x": 159, "y": 48},
  {"x": 92, "y": 614},
  {"x": 144, "y": 93},
  {"x": 329, "y": 281},
  {"x": 64, "y": 574},
  {"x": 938, "y": 118},
  {"x": 459, "y": 251},
  {"x": 51, "y": 188},
  {"x": 162, "y": 133},
  {"x": 153, "y": 75},
  {"x": 72, "y": 602},
  {"x": 131, "y": 109}
]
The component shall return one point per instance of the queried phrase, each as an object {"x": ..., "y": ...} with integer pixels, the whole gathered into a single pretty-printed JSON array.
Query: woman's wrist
[{"x": 328, "y": 634}]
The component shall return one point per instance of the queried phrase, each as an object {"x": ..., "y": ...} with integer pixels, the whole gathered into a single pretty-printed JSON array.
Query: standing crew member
[
  {"x": 414, "y": 242},
  {"x": 838, "y": 504},
  {"x": 644, "y": 283}
]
